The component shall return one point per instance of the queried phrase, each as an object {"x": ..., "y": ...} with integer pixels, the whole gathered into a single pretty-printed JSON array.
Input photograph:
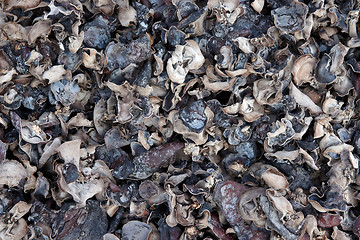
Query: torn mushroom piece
[
  {"x": 76, "y": 222},
  {"x": 290, "y": 18},
  {"x": 249, "y": 208},
  {"x": 323, "y": 73},
  {"x": 127, "y": 16},
  {"x": 193, "y": 121},
  {"x": 149, "y": 162},
  {"x": 291, "y": 219},
  {"x": 331, "y": 200},
  {"x": 270, "y": 175},
  {"x": 12, "y": 224},
  {"x": 267, "y": 91},
  {"x": 225, "y": 11},
  {"x": 227, "y": 195},
  {"x": 29, "y": 131},
  {"x": 282, "y": 132},
  {"x": 13, "y": 172},
  {"x": 135, "y": 230},
  {"x": 251, "y": 109},
  {"x": 185, "y": 58},
  {"x": 81, "y": 189},
  {"x": 303, "y": 100},
  {"x": 303, "y": 69}
]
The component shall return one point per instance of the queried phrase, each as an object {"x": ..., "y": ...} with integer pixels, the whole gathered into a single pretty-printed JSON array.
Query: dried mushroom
[
  {"x": 178, "y": 119},
  {"x": 185, "y": 58}
]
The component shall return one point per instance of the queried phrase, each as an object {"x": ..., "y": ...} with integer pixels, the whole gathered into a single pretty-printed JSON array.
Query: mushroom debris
[{"x": 218, "y": 119}]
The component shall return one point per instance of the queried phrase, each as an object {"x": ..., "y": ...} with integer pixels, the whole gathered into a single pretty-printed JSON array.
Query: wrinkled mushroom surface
[{"x": 218, "y": 119}]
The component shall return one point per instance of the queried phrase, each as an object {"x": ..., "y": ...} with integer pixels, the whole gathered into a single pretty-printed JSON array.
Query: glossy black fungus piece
[
  {"x": 297, "y": 176},
  {"x": 89, "y": 222},
  {"x": 215, "y": 44},
  {"x": 175, "y": 37},
  {"x": 70, "y": 60},
  {"x": 193, "y": 116},
  {"x": 96, "y": 35},
  {"x": 221, "y": 119},
  {"x": 117, "y": 160},
  {"x": 121, "y": 195},
  {"x": 247, "y": 150},
  {"x": 185, "y": 22},
  {"x": 143, "y": 75},
  {"x": 115, "y": 220},
  {"x": 322, "y": 72},
  {"x": 291, "y": 17},
  {"x": 220, "y": 30},
  {"x": 70, "y": 172},
  {"x": 333, "y": 199},
  {"x": 65, "y": 92},
  {"x": 167, "y": 232}
]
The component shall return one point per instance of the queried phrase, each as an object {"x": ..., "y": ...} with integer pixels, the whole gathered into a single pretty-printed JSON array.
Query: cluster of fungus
[{"x": 179, "y": 120}]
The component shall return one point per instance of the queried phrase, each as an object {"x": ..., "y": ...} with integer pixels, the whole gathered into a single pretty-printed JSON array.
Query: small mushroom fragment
[
  {"x": 304, "y": 100},
  {"x": 127, "y": 16},
  {"x": 97, "y": 34},
  {"x": 185, "y": 58},
  {"x": 148, "y": 189},
  {"x": 328, "y": 220},
  {"x": 270, "y": 175},
  {"x": 193, "y": 116},
  {"x": 13, "y": 172},
  {"x": 75, "y": 222},
  {"x": 226, "y": 195},
  {"x": 323, "y": 72},
  {"x": 356, "y": 227},
  {"x": 249, "y": 208},
  {"x": 135, "y": 230},
  {"x": 303, "y": 69},
  {"x": 149, "y": 162},
  {"x": 267, "y": 91},
  {"x": 290, "y": 18},
  {"x": 12, "y": 225},
  {"x": 2, "y": 152},
  {"x": 54, "y": 74}
]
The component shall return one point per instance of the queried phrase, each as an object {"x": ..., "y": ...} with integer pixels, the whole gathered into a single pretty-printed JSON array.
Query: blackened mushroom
[{"x": 290, "y": 18}]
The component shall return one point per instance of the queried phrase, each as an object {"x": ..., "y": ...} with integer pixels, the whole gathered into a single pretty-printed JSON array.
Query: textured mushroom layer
[{"x": 159, "y": 119}]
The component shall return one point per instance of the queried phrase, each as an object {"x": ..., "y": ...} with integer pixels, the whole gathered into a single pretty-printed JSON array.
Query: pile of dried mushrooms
[{"x": 167, "y": 120}]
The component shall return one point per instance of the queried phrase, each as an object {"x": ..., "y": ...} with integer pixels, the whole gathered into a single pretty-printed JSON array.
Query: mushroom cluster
[{"x": 181, "y": 120}]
